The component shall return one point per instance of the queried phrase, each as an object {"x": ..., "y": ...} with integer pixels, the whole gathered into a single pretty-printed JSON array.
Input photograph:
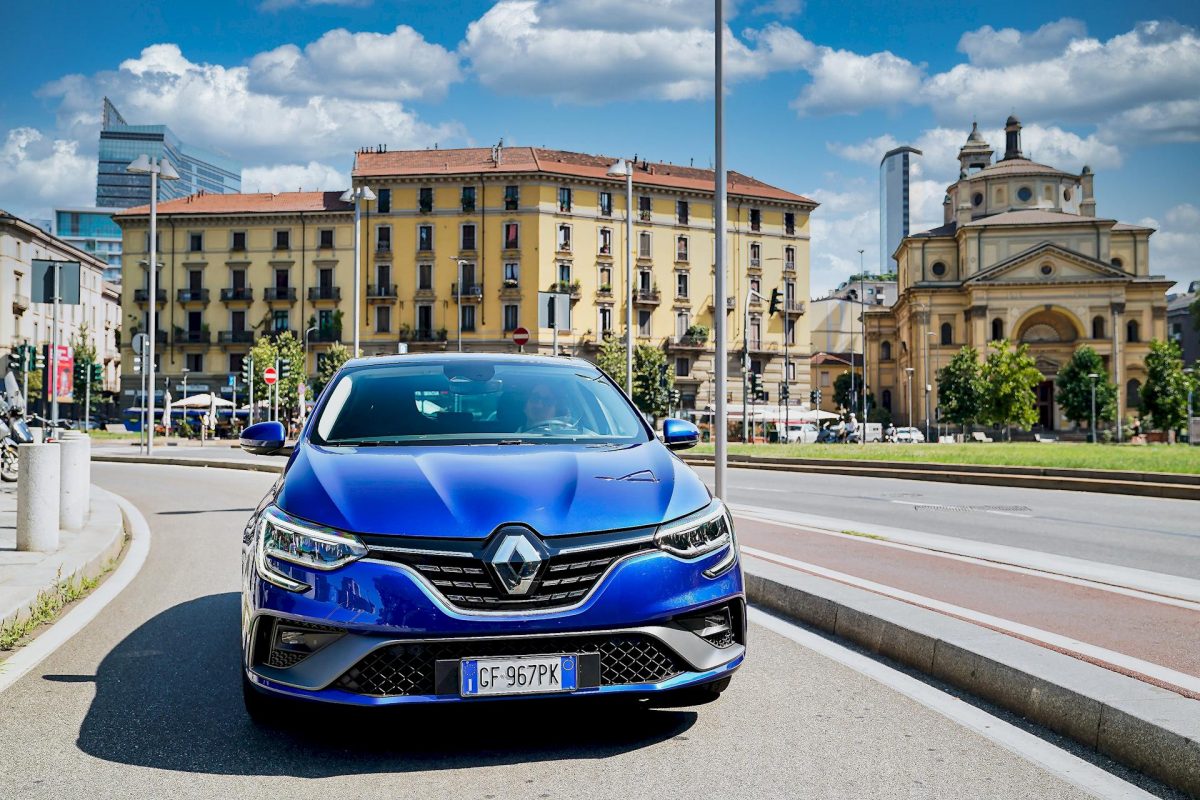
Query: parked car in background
[
  {"x": 909, "y": 435},
  {"x": 801, "y": 433}
]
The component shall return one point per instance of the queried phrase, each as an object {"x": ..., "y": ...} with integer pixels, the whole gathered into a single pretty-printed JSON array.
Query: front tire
[{"x": 8, "y": 463}]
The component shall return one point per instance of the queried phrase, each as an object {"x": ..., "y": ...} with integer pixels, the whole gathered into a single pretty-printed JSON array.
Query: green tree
[
  {"x": 1195, "y": 309},
  {"x": 335, "y": 356},
  {"x": 1010, "y": 377},
  {"x": 84, "y": 352},
  {"x": 1164, "y": 394},
  {"x": 267, "y": 352},
  {"x": 611, "y": 359},
  {"x": 652, "y": 380},
  {"x": 1074, "y": 394},
  {"x": 841, "y": 390},
  {"x": 961, "y": 390}
]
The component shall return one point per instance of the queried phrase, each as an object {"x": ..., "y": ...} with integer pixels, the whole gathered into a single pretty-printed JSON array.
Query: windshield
[{"x": 476, "y": 401}]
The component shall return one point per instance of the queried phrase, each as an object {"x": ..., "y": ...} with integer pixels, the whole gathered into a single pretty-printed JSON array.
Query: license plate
[{"x": 526, "y": 675}]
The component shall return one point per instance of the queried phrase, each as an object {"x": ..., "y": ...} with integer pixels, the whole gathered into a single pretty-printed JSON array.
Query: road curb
[
  {"x": 1176, "y": 487},
  {"x": 83, "y": 557},
  {"x": 1139, "y": 725},
  {"x": 213, "y": 463}
]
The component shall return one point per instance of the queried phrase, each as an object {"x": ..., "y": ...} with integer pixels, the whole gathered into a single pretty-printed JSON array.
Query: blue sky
[{"x": 817, "y": 92}]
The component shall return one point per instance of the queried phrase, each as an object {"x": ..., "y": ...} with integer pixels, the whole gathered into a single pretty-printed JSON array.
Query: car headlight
[
  {"x": 696, "y": 534},
  {"x": 287, "y": 539}
]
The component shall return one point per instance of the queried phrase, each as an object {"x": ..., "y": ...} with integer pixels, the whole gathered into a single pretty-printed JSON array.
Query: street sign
[
  {"x": 520, "y": 336},
  {"x": 42, "y": 281},
  {"x": 554, "y": 310},
  {"x": 301, "y": 391},
  {"x": 140, "y": 340},
  {"x": 270, "y": 376},
  {"x": 233, "y": 379}
]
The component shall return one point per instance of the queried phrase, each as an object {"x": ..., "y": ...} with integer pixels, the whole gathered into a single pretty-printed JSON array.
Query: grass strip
[{"x": 49, "y": 603}]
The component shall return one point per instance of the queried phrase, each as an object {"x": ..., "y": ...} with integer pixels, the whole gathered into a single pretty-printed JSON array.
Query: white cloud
[
  {"x": 1174, "y": 245},
  {"x": 847, "y": 220},
  {"x": 988, "y": 47},
  {"x": 399, "y": 65},
  {"x": 1087, "y": 80},
  {"x": 37, "y": 173},
  {"x": 586, "y": 52},
  {"x": 309, "y": 177},
  {"x": 215, "y": 106},
  {"x": 780, "y": 8},
  {"x": 1170, "y": 121},
  {"x": 844, "y": 82}
]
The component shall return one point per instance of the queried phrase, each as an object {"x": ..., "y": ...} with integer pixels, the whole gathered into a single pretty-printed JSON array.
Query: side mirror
[
  {"x": 263, "y": 438},
  {"x": 679, "y": 434}
]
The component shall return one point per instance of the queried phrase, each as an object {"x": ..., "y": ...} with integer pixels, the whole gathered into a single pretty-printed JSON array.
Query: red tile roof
[
  {"x": 261, "y": 203},
  {"x": 475, "y": 160}
]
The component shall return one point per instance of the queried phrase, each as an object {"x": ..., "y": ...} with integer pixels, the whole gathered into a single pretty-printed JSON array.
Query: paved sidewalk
[{"x": 82, "y": 553}]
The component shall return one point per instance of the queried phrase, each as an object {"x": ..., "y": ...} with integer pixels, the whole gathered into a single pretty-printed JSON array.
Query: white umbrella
[
  {"x": 815, "y": 415},
  {"x": 205, "y": 401},
  {"x": 166, "y": 412}
]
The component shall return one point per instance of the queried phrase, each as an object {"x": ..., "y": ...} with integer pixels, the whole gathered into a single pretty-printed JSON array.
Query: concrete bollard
[
  {"x": 73, "y": 491},
  {"x": 37, "y": 497},
  {"x": 38, "y": 433}
]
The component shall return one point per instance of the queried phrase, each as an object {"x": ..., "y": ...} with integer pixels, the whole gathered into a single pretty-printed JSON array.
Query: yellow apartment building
[{"x": 457, "y": 244}]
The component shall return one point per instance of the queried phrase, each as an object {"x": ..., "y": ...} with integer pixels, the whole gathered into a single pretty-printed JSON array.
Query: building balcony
[
  {"x": 191, "y": 296},
  {"x": 571, "y": 288},
  {"x": 278, "y": 332},
  {"x": 381, "y": 293},
  {"x": 681, "y": 258},
  {"x": 327, "y": 293},
  {"x": 192, "y": 337},
  {"x": 604, "y": 292},
  {"x": 425, "y": 293},
  {"x": 688, "y": 342},
  {"x": 510, "y": 288},
  {"x": 605, "y": 252},
  {"x": 428, "y": 335},
  {"x": 730, "y": 303},
  {"x": 647, "y": 297},
  {"x": 760, "y": 346},
  {"x": 468, "y": 292},
  {"x": 141, "y": 296},
  {"x": 794, "y": 308},
  {"x": 755, "y": 264},
  {"x": 643, "y": 215},
  {"x": 20, "y": 303},
  {"x": 280, "y": 294},
  {"x": 238, "y": 294},
  {"x": 325, "y": 336},
  {"x": 790, "y": 266},
  {"x": 383, "y": 250},
  {"x": 235, "y": 337}
]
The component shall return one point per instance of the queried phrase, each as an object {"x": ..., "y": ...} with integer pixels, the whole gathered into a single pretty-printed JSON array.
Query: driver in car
[{"x": 541, "y": 405}]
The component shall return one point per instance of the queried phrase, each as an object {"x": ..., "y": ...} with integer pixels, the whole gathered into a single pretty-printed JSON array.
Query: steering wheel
[{"x": 552, "y": 424}]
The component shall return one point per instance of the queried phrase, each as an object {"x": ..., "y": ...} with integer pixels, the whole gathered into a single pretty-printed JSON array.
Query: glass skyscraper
[
  {"x": 893, "y": 204},
  {"x": 121, "y": 143},
  {"x": 93, "y": 231}
]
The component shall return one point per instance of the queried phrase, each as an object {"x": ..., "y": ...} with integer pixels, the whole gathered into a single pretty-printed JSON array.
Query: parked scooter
[{"x": 14, "y": 430}]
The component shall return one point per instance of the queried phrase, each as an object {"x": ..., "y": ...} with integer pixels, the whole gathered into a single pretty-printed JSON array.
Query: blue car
[{"x": 458, "y": 528}]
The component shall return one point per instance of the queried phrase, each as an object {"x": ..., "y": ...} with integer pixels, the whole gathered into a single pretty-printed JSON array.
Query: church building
[{"x": 1021, "y": 255}]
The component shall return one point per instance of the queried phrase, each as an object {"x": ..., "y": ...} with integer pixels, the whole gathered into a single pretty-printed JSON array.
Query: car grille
[
  {"x": 468, "y": 582},
  {"x": 408, "y": 669}
]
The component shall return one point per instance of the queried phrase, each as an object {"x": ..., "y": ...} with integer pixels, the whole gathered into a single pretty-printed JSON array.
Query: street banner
[{"x": 63, "y": 369}]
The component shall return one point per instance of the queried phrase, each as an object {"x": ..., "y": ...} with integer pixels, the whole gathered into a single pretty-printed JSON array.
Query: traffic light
[
  {"x": 784, "y": 392},
  {"x": 812, "y": 397},
  {"x": 39, "y": 358},
  {"x": 97, "y": 372},
  {"x": 662, "y": 375},
  {"x": 80, "y": 371},
  {"x": 137, "y": 362},
  {"x": 756, "y": 386},
  {"x": 776, "y": 301},
  {"x": 285, "y": 370},
  {"x": 248, "y": 369}
]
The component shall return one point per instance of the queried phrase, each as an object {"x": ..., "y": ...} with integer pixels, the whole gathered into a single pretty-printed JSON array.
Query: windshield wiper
[{"x": 358, "y": 443}]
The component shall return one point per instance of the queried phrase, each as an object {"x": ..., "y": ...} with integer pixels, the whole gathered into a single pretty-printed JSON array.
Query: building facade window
[
  {"x": 383, "y": 319},
  {"x": 510, "y": 317},
  {"x": 564, "y": 272},
  {"x": 1097, "y": 327},
  {"x": 789, "y": 223},
  {"x": 887, "y": 399},
  {"x": 606, "y": 207},
  {"x": 564, "y": 199},
  {"x": 789, "y": 257},
  {"x": 564, "y": 238},
  {"x": 325, "y": 238},
  {"x": 947, "y": 333},
  {"x": 605, "y": 284},
  {"x": 425, "y": 322},
  {"x": 756, "y": 287},
  {"x": 236, "y": 362},
  {"x": 605, "y": 242},
  {"x": 645, "y": 281},
  {"x": 755, "y": 254},
  {"x": 643, "y": 322},
  {"x": 384, "y": 201},
  {"x": 279, "y": 320},
  {"x": 644, "y": 242},
  {"x": 512, "y": 197},
  {"x": 194, "y": 362},
  {"x": 682, "y": 323},
  {"x": 425, "y": 277},
  {"x": 644, "y": 208},
  {"x": 1132, "y": 331},
  {"x": 425, "y": 238},
  {"x": 239, "y": 241},
  {"x": 383, "y": 239},
  {"x": 425, "y": 199},
  {"x": 997, "y": 329},
  {"x": 1133, "y": 393},
  {"x": 755, "y": 219},
  {"x": 283, "y": 240},
  {"x": 681, "y": 248},
  {"x": 195, "y": 242},
  {"x": 756, "y": 332},
  {"x": 512, "y": 273},
  {"x": 681, "y": 285},
  {"x": 683, "y": 367},
  {"x": 467, "y": 315},
  {"x": 512, "y": 236},
  {"x": 605, "y": 324},
  {"x": 681, "y": 212},
  {"x": 468, "y": 199},
  {"x": 468, "y": 236}
]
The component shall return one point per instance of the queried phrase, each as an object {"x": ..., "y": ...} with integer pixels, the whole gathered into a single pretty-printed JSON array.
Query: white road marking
[
  {"x": 966, "y": 508},
  {"x": 59, "y": 632},
  {"x": 1055, "y": 760},
  {"x": 1166, "y": 674},
  {"x": 1007, "y": 513},
  {"x": 1156, "y": 587}
]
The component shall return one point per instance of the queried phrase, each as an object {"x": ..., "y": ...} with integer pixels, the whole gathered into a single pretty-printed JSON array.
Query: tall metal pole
[
  {"x": 357, "y": 272},
  {"x": 1094, "y": 409},
  {"x": 53, "y": 360},
  {"x": 459, "y": 312},
  {"x": 862, "y": 315},
  {"x": 746, "y": 371},
  {"x": 153, "y": 333},
  {"x": 87, "y": 399},
  {"x": 928, "y": 330},
  {"x": 145, "y": 351},
  {"x": 720, "y": 322},
  {"x": 628, "y": 278},
  {"x": 1116, "y": 369},
  {"x": 250, "y": 411}
]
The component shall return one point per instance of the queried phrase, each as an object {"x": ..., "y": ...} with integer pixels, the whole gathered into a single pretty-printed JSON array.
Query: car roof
[{"x": 566, "y": 362}]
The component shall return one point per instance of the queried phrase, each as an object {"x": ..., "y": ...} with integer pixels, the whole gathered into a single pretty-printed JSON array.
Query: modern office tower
[
  {"x": 121, "y": 143},
  {"x": 893, "y": 204}
]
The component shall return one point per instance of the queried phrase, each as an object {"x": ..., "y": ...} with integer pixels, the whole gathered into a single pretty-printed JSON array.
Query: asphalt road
[
  {"x": 1144, "y": 533},
  {"x": 145, "y": 702}
]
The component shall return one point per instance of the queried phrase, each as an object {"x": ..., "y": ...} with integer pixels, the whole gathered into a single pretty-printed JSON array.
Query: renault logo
[{"x": 516, "y": 557}]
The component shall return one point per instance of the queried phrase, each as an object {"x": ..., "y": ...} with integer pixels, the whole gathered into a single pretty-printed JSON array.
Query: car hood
[{"x": 469, "y": 491}]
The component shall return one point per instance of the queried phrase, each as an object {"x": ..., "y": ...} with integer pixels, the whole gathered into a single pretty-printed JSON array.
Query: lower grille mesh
[{"x": 408, "y": 669}]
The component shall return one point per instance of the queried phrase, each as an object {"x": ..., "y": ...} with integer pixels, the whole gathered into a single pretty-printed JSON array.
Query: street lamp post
[
  {"x": 929, "y": 389},
  {"x": 356, "y": 195},
  {"x": 1093, "y": 376},
  {"x": 862, "y": 315},
  {"x": 750, "y": 295},
  {"x": 624, "y": 169},
  {"x": 458, "y": 296},
  {"x": 185, "y": 377},
  {"x": 909, "y": 370},
  {"x": 142, "y": 165},
  {"x": 1191, "y": 374},
  {"x": 720, "y": 220}
]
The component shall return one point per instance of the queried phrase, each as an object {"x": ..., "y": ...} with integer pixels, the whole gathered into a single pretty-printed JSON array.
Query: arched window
[
  {"x": 1097, "y": 327},
  {"x": 997, "y": 329},
  {"x": 885, "y": 351},
  {"x": 1131, "y": 331},
  {"x": 887, "y": 399},
  {"x": 1133, "y": 393},
  {"x": 947, "y": 333}
]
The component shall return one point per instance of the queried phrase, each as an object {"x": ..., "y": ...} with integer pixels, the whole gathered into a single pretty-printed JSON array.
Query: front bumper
[{"x": 399, "y": 636}]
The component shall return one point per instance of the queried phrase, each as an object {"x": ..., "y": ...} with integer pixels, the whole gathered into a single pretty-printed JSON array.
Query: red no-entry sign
[
  {"x": 270, "y": 376},
  {"x": 520, "y": 336}
]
